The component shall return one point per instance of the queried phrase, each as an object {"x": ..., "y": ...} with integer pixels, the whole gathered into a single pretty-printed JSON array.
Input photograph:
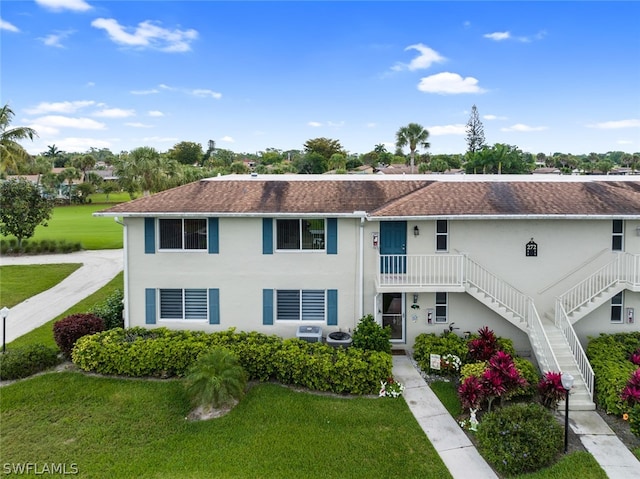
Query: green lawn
[
  {"x": 19, "y": 282},
  {"x": 44, "y": 333},
  {"x": 119, "y": 197},
  {"x": 76, "y": 223},
  {"x": 119, "y": 428}
]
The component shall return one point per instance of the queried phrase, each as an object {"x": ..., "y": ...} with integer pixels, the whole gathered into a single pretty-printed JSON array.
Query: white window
[
  {"x": 617, "y": 235},
  {"x": 300, "y": 234},
  {"x": 296, "y": 305},
  {"x": 183, "y": 233},
  {"x": 441, "y": 307},
  {"x": 442, "y": 235},
  {"x": 616, "y": 308},
  {"x": 183, "y": 304}
]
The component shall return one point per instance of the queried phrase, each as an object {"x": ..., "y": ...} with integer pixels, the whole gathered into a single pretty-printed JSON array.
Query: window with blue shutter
[
  {"x": 332, "y": 236},
  {"x": 149, "y": 235},
  {"x": 267, "y": 236},
  {"x": 150, "y": 305},
  {"x": 267, "y": 307},
  {"x": 214, "y": 242}
]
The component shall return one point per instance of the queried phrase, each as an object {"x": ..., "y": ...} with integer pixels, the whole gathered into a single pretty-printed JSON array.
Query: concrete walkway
[
  {"x": 462, "y": 458},
  {"x": 452, "y": 444},
  {"x": 98, "y": 268}
]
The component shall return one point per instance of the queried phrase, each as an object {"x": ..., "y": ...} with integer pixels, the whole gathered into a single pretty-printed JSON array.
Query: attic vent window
[{"x": 531, "y": 248}]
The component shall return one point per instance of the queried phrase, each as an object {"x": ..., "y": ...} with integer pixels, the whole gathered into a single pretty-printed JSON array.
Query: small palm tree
[
  {"x": 216, "y": 379},
  {"x": 413, "y": 135},
  {"x": 11, "y": 153}
]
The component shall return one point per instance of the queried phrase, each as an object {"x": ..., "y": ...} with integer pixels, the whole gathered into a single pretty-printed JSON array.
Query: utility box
[{"x": 311, "y": 334}]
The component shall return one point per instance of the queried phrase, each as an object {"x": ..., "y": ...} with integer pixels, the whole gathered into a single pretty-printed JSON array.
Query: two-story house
[{"x": 546, "y": 261}]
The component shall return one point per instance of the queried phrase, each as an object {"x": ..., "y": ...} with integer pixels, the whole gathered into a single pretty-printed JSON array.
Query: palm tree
[
  {"x": 11, "y": 153},
  {"x": 413, "y": 135},
  {"x": 216, "y": 379}
]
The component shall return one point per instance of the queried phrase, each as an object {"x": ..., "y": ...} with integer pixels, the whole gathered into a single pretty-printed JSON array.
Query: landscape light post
[
  {"x": 4, "y": 312},
  {"x": 567, "y": 384}
]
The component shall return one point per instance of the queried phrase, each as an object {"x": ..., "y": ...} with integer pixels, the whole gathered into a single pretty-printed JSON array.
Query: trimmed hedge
[
  {"x": 609, "y": 357},
  {"x": 30, "y": 246},
  {"x": 110, "y": 310},
  {"x": 162, "y": 352},
  {"x": 68, "y": 330},
  {"x": 22, "y": 362}
]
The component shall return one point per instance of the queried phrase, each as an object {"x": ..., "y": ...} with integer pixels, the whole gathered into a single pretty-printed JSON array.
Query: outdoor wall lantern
[
  {"x": 416, "y": 231},
  {"x": 4, "y": 312},
  {"x": 567, "y": 384}
]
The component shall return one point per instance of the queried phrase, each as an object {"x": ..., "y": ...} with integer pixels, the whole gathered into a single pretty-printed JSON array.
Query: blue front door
[{"x": 393, "y": 241}]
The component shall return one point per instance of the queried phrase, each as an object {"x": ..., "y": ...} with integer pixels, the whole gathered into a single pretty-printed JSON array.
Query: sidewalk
[
  {"x": 463, "y": 460},
  {"x": 99, "y": 267}
]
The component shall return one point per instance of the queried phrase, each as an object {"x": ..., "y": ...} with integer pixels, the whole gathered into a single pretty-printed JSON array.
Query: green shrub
[
  {"x": 447, "y": 343},
  {"x": 215, "y": 379},
  {"x": 162, "y": 352},
  {"x": 371, "y": 336},
  {"x": 110, "y": 310},
  {"x": 68, "y": 330},
  {"x": 609, "y": 357},
  {"x": 44, "y": 246},
  {"x": 473, "y": 369},
  {"x": 519, "y": 438},
  {"x": 22, "y": 362},
  {"x": 634, "y": 419}
]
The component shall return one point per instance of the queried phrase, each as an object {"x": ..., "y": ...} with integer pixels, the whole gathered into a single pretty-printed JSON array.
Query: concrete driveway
[{"x": 98, "y": 268}]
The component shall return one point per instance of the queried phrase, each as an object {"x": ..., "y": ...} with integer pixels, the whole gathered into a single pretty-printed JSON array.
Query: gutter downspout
[
  {"x": 125, "y": 311},
  {"x": 361, "y": 267}
]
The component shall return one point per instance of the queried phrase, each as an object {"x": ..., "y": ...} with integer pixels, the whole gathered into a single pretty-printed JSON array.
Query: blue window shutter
[
  {"x": 149, "y": 235},
  {"x": 214, "y": 306},
  {"x": 214, "y": 242},
  {"x": 267, "y": 236},
  {"x": 267, "y": 307},
  {"x": 150, "y": 305},
  {"x": 332, "y": 236},
  {"x": 332, "y": 307}
]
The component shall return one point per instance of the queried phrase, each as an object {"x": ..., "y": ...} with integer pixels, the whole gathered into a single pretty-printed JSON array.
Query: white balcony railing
[{"x": 421, "y": 271}]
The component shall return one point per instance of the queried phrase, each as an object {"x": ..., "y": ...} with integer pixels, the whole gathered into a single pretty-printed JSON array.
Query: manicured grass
[
  {"x": 577, "y": 464},
  {"x": 76, "y": 223},
  {"x": 120, "y": 197},
  {"x": 44, "y": 333},
  {"x": 118, "y": 428},
  {"x": 448, "y": 395},
  {"x": 19, "y": 282}
]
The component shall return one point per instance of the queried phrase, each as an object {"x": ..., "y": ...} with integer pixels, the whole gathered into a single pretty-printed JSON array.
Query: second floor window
[
  {"x": 442, "y": 235},
  {"x": 617, "y": 235},
  {"x": 183, "y": 233},
  {"x": 300, "y": 234}
]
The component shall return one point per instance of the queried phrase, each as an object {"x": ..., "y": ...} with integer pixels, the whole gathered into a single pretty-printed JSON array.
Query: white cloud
[
  {"x": 624, "y": 142},
  {"x": 55, "y": 39},
  {"x": 59, "y": 121},
  {"x": 114, "y": 113},
  {"x": 147, "y": 35},
  {"x": 144, "y": 92},
  {"x": 158, "y": 139},
  {"x": 81, "y": 144},
  {"x": 427, "y": 57},
  {"x": 335, "y": 124},
  {"x": 497, "y": 36},
  {"x": 227, "y": 139},
  {"x": 523, "y": 128},
  {"x": 138, "y": 125},
  {"x": 447, "y": 83},
  {"x": 59, "y": 5},
  {"x": 206, "y": 93},
  {"x": 314, "y": 124},
  {"x": 457, "y": 129},
  {"x": 155, "y": 113},
  {"x": 371, "y": 125},
  {"x": 4, "y": 25},
  {"x": 494, "y": 117},
  {"x": 59, "y": 107},
  {"x": 614, "y": 125}
]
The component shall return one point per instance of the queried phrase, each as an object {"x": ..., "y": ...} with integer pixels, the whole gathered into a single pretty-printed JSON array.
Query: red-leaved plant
[
  {"x": 631, "y": 392},
  {"x": 471, "y": 393},
  {"x": 484, "y": 346},
  {"x": 551, "y": 390},
  {"x": 635, "y": 357}
]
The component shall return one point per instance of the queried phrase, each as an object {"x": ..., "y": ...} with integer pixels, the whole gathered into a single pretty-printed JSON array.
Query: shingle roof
[{"x": 412, "y": 196}]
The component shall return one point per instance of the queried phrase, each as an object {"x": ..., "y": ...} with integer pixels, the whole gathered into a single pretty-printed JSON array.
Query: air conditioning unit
[{"x": 311, "y": 334}]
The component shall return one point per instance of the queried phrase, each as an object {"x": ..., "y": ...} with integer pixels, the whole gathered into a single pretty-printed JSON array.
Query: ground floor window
[
  {"x": 441, "y": 307},
  {"x": 616, "y": 308},
  {"x": 300, "y": 304},
  {"x": 183, "y": 304}
]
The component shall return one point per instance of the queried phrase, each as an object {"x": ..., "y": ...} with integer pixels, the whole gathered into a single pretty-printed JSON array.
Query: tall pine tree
[{"x": 475, "y": 132}]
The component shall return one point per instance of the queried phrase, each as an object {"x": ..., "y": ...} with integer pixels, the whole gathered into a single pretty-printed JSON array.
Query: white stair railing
[
  {"x": 562, "y": 322},
  {"x": 547, "y": 360}
]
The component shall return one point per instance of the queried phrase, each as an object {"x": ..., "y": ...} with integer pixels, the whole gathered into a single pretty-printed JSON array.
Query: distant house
[{"x": 537, "y": 258}]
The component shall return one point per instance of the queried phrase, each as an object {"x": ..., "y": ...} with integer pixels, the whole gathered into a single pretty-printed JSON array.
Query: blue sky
[{"x": 545, "y": 76}]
